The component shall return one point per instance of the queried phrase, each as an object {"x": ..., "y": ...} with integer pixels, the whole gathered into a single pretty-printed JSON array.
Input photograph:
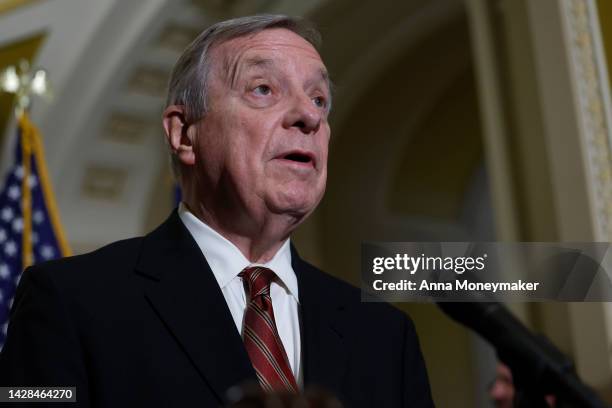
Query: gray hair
[{"x": 188, "y": 81}]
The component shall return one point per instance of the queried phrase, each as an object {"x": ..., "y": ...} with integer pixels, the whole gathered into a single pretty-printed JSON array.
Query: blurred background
[{"x": 454, "y": 120}]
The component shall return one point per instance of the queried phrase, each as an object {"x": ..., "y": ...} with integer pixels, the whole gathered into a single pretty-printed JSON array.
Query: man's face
[{"x": 263, "y": 143}]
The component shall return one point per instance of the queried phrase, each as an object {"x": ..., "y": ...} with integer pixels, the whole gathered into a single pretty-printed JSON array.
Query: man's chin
[
  {"x": 296, "y": 197},
  {"x": 295, "y": 207}
]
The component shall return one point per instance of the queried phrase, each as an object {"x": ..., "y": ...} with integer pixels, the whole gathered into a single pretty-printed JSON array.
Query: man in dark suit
[{"x": 217, "y": 296}]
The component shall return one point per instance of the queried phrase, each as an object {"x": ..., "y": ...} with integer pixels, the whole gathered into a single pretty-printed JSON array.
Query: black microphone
[{"x": 535, "y": 363}]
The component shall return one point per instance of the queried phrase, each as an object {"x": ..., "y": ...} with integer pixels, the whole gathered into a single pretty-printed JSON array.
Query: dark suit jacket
[{"x": 143, "y": 323}]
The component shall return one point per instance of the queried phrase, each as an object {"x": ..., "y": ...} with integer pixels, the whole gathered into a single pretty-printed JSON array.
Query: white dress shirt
[{"x": 226, "y": 262}]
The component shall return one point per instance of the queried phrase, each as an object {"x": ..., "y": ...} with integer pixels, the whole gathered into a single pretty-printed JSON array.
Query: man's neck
[{"x": 257, "y": 241}]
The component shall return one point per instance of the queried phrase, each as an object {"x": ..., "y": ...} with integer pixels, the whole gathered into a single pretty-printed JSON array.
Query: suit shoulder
[{"x": 106, "y": 261}]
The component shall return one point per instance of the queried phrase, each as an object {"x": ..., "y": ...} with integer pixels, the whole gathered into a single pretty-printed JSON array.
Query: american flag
[{"x": 46, "y": 237}]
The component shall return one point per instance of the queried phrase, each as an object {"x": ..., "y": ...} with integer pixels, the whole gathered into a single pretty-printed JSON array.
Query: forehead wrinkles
[{"x": 262, "y": 52}]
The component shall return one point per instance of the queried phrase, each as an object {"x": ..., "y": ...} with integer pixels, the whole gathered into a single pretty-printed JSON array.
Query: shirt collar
[{"x": 226, "y": 260}]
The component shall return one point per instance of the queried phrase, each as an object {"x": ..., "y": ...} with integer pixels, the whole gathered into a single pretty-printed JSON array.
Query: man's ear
[{"x": 179, "y": 139}]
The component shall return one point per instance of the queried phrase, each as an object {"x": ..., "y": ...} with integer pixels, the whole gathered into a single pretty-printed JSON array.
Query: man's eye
[
  {"x": 320, "y": 101},
  {"x": 262, "y": 90}
]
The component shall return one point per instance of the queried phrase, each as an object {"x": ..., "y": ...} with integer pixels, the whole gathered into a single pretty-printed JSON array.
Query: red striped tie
[{"x": 260, "y": 335}]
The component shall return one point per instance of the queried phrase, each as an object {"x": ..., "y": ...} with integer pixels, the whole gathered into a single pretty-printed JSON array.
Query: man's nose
[{"x": 304, "y": 115}]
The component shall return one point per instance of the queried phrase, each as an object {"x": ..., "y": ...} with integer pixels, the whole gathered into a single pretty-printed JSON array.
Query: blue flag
[{"x": 28, "y": 233}]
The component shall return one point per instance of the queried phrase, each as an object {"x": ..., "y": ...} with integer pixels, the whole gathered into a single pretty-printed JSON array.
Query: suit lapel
[
  {"x": 324, "y": 352},
  {"x": 181, "y": 288}
]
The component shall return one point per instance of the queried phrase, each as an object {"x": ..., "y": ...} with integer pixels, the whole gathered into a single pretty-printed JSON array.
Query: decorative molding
[
  {"x": 125, "y": 128},
  {"x": 149, "y": 81},
  {"x": 102, "y": 182},
  {"x": 593, "y": 99}
]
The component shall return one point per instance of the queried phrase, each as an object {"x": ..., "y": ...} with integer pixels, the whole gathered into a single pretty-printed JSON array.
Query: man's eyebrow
[
  {"x": 330, "y": 88},
  {"x": 322, "y": 77},
  {"x": 253, "y": 62},
  {"x": 326, "y": 79},
  {"x": 258, "y": 62}
]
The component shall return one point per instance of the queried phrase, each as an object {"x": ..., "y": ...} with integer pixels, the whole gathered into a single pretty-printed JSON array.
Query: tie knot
[{"x": 258, "y": 280}]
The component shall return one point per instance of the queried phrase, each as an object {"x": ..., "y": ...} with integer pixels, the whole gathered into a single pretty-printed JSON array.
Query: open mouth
[
  {"x": 303, "y": 158},
  {"x": 298, "y": 157}
]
